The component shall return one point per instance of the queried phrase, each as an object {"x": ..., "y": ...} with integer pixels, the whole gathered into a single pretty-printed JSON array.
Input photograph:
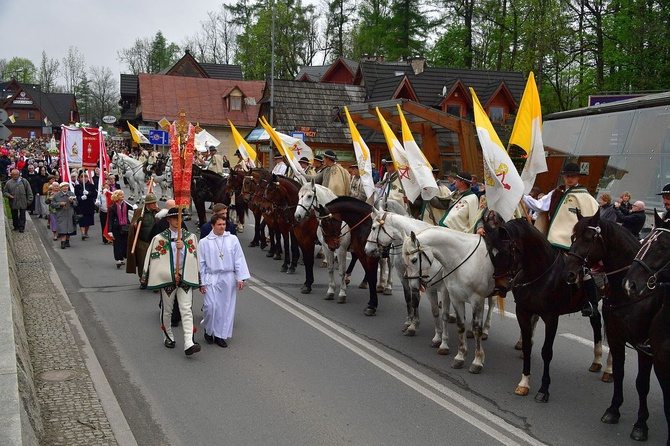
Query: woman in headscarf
[
  {"x": 53, "y": 225},
  {"x": 86, "y": 194},
  {"x": 64, "y": 203},
  {"x": 119, "y": 225}
]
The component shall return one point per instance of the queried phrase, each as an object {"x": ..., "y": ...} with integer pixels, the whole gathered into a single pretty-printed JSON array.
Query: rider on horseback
[{"x": 559, "y": 215}]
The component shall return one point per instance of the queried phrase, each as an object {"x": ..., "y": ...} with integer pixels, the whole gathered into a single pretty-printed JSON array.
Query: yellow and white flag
[
  {"x": 362, "y": 157},
  {"x": 297, "y": 146},
  {"x": 407, "y": 178},
  {"x": 418, "y": 163},
  {"x": 504, "y": 187},
  {"x": 248, "y": 154},
  {"x": 138, "y": 137},
  {"x": 527, "y": 134},
  {"x": 288, "y": 154}
]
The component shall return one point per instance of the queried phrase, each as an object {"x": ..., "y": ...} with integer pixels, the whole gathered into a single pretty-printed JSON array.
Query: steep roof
[
  {"x": 379, "y": 77},
  {"x": 163, "y": 96},
  {"x": 312, "y": 74},
  {"x": 315, "y": 105},
  {"x": 56, "y": 106},
  {"x": 223, "y": 71},
  {"x": 128, "y": 85}
]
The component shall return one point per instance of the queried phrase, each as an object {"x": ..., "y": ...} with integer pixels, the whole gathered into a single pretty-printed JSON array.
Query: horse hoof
[
  {"x": 639, "y": 434},
  {"x": 610, "y": 417},
  {"x": 595, "y": 367},
  {"x": 410, "y": 332},
  {"x": 252, "y": 244},
  {"x": 306, "y": 289},
  {"x": 442, "y": 351},
  {"x": 363, "y": 285},
  {"x": 457, "y": 364},
  {"x": 451, "y": 319},
  {"x": 369, "y": 311},
  {"x": 277, "y": 256},
  {"x": 263, "y": 246},
  {"x": 346, "y": 279},
  {"x": 341, "y": 299},
  {"x": 521, "y": 391},
  {"x": 269, "y": 254},
  {"x": 542, "y": 397},
  {"x": 323, "y": 264},
  {"x": 469, "y": 334},
  {"x": 380, "y": 288},
  {"x": 476, "y": 369},
  {"x": 435, "y": 344},
  {"x": 518, "y": 346},
  {"x": 283, "y": 269},
  {"x": 607, "y": 378},
  {"x": 388, "y": 291},
  {"x": 329, "y": 296},
  {"x": 485, "y": 336},
  {"x": 291, "y": 270}
]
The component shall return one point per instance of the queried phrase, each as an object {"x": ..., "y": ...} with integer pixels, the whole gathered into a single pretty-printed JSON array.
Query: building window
[
  {"x": 16, "y": 114},
  {"x": 497, "y": 114},
  {"x": 454, "y": 109},
  {"x": 236, "y": 103},
  {"x": 31, "y": 114}
]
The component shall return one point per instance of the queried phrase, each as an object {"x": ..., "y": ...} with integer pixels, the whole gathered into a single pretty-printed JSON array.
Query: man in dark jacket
[{"x": 633, "y": 221}]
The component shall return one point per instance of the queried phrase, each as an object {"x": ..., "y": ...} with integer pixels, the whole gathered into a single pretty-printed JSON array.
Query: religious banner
[
  {"x": 363, "y": 157},
  {"x": 288, "y": 154},
  {"x": 418, "y": 163},
  {"x": 246, "y": 151},
  {"x": 182, "y": 145}
]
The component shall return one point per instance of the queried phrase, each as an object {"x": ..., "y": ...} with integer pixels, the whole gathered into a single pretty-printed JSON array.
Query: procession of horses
[{"x": 453, "y": 268}]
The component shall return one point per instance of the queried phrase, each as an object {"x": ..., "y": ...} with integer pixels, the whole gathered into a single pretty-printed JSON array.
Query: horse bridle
[
  {"x": 311, "y": 204},
  {"x": 652, "y": 281},
  {"x": 341, "y": 234},
  {"x": 513, "y": 273},
  {"x": 419, "y": 249},
  {"x": 585, "y": 260},
  {"x": 382, "y": 227}
]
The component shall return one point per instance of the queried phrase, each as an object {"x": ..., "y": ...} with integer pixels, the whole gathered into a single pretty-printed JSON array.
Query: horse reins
[
  {"x": 652, "y": 281},
  {"x": 585, "y": 259},
  {"x": 379, "y": 230},
  {"x": 337, "y": 237}
]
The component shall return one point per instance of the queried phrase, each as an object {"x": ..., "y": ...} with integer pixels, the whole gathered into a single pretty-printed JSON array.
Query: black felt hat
[
  {"x": 330, "y": 154},
  {"x": 464, "y": 176},
  {"x": 571, "y": 169},
  {"x": 665, "y": 190}
]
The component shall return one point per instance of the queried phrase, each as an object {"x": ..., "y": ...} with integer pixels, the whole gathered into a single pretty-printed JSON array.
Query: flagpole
[{"x": 272, "y": 77}]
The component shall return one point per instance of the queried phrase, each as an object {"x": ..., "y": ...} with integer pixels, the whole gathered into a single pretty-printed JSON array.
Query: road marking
[
  {"x": 409, "y": 376},
  {"x": 583, "y": 341}
]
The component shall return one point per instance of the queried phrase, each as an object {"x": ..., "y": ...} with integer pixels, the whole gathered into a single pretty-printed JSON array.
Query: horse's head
[
  {"x": 234, "y": 183},
  {"x": 587, "y": 249},
  {"x": 418, "y": 259},
  {"x": 379, "y": 238},
  {"x": 331, "y": 226},
  {"x": 651, "y": 266},
  {"x": 504, "y": 254},
  {"x": 307, "y": 200}
]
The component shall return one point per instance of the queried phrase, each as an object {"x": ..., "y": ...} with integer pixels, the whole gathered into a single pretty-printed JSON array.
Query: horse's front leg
[
  {"x": 370, "y": 266},
  {"x": 459, "y": 360},
  {"x": 441, "y": 318},
  {"x": 388, "y": 285},
  {"x": 618, "y": 352},
  {"x": 640, "y": 430},
  {"x": 330, "y": 261},
  {"x": 342, "y": 266},
  {"x": 487, "y": 322},
  {"x": 526, "y": 326},
  {"x": 409, "y": 320},
  {"x": 551, "y": 327},
  {"x": 295, "y": 253},
  {"x": 597, "y": 326},
  {"x": 383, "y": 274},
  {"x": 287, "y": 251}
]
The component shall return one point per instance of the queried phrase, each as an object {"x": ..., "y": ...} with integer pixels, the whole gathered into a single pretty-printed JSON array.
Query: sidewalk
[{"x": 76, "y": 402}]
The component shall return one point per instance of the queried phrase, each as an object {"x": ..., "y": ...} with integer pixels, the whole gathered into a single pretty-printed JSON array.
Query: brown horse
[
  {"x": 243, "y": 185},
  {"x": 602, "y": 243},
  {"x": 357, "y": 215},
  {"x": 207, "y": 186},
  {"x": 282, "y": 193}
]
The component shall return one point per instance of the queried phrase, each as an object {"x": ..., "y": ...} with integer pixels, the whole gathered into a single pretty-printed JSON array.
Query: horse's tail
[{"x": 500, "y": 301}]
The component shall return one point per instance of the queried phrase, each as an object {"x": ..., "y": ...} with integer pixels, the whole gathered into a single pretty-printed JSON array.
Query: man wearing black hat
[
  {"x": 333, "y": 176},
  {"x": 280, "y": 167},
  {"x": 390, "y": 186},
  {"x": 143, "y": 221},
  {"x": 665, "y": 194},
  {"x": 317, "y": 164},
  {"x": 429, "y": 213},
  {"x": 558, "y": 216},
  {"x": 215, "y": 161},
  {"x": 356, "y": 185},
  {"x": 175, "y": 280},
  {"x": 304, "y": 163},
  {"x": 462, "y": 206},
  {"x": 241, "y": 163}
]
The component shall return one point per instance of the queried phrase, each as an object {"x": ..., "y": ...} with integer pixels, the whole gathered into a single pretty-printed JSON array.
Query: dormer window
[
  {"x": 235, "y": 103},
  {"x": 497, "y": 114}
]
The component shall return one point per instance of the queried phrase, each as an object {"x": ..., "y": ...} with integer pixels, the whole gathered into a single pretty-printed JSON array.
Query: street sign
[
  {"x": 3, "y": 115},
  {"x": 109, "y": 119},
  {"x": 145, "y": 129},
  {"x": 159, "y": 137}
]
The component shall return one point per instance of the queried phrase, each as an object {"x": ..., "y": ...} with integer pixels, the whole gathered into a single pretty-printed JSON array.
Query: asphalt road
[{"x": 300, "y": 370}]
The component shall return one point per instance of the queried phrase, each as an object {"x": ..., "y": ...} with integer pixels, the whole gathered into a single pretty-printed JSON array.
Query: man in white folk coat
[{"x": 223, "y": 270}]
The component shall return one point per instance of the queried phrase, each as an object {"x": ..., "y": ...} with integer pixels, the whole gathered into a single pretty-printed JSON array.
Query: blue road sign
[{"x": 159, "y": 137}]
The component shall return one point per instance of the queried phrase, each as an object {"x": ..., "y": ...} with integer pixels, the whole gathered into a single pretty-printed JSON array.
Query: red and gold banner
[{"x": 182, "y": 162}]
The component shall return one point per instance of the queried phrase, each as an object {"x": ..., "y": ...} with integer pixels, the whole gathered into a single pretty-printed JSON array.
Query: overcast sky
[{"x": 99, "y": 29}]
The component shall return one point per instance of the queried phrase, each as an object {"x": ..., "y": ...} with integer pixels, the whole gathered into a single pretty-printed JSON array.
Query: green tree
[
  {"x": 339, "y": 25},
  {"x": 21, "y": 69},
  {"x": 370, "y": 34},
  {"x": 162, "y": 54},
  {"x": 410, "y": 29}
]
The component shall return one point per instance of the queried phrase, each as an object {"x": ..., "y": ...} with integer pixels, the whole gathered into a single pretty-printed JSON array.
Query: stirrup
[{"x": 590, "y": 310}]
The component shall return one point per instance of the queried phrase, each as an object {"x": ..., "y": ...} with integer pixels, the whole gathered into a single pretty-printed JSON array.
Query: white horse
[
  {"x": 133, "y": 170},
  {"x": 468, "y": 273},
  {"x": 310, "y": 197},
  {"x": 165, "y": 182}
]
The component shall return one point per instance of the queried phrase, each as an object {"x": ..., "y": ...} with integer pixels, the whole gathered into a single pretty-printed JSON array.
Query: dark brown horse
[
  {"x": 527, "y": 264},
  {"x": 207, "y": 186},
  {"x": 647, "y": 285},
  {"x": 282, "y": 193},
  {"x": 357, "y": 215},
  {"x": 243, "y": 185},
  {"x": 603, "y": 244}
]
